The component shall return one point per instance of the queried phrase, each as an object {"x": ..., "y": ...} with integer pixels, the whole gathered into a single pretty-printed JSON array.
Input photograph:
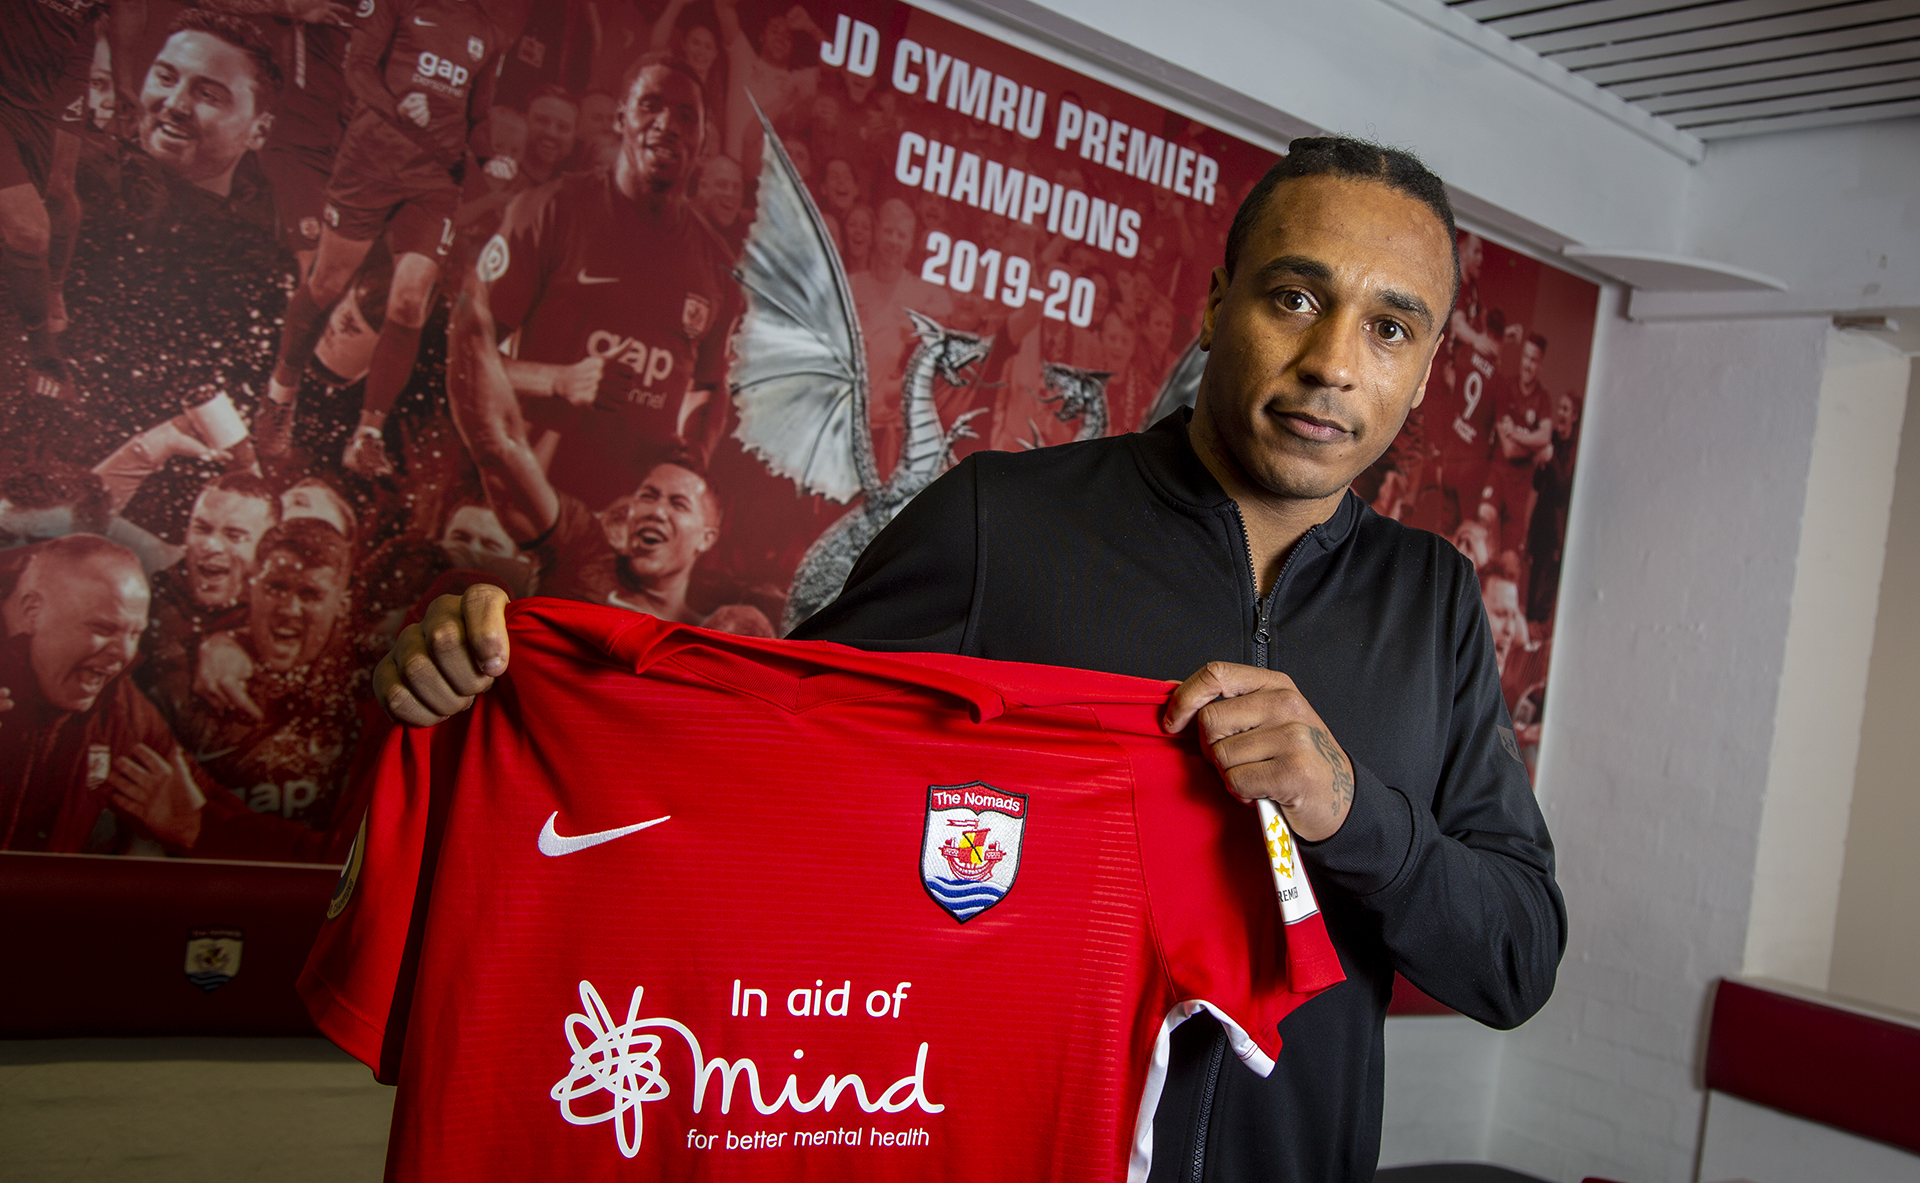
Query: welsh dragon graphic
[
  {"x": 801, "y": 387},
  {"x": 1082, "y": 395}
]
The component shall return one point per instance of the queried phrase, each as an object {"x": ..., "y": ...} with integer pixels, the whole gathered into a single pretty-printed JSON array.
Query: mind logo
[{"x": 970, "y": 848}]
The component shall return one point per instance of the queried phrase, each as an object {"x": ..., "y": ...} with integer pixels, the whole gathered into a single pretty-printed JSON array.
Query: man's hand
[
  {"x": 414, "y": 107},
  {"x": 220, "y": 675},
  {"x": 579, "y": 383},
  {"x": 159, "y": 793},
  {"x": 437, "y": 666},
  {"x": 502, "y": 168},
  {"x": 1268, "y": 743}
]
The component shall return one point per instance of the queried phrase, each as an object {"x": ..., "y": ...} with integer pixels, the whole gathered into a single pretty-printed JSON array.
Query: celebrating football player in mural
[
  {"x": 619, "y": 300},
  {"x": 421, "y": 72}
]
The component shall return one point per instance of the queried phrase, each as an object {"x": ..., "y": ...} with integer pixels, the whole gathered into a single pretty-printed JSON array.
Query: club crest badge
[
  {"x": 696, "y": 315},
  {"x": 213, "y": 957},
  {"x": 99, "y": 764},
  {"x": 476, "y": 48},
  {"x": 970, "y": 849},
  {"x": 310, "y": 228}
]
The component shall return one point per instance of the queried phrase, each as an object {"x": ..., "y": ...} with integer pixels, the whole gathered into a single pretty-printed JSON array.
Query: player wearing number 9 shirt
[
  {"x": 422, "y": 72},
  {"x": 615, "y": 268}
]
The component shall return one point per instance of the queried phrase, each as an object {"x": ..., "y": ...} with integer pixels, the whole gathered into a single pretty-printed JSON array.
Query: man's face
[
  {"x": 294, "y": 609},
  {"x": 199, "y": 110},
  {"x": 85, "y": 629},
  {"x": 1321, "y": 341},
  {"x": 668, "y": 527},
  {"x": 1565, "y": 415},
  {"x": 100, "y": 85},
  {"x": 1501, "y": 597},
  {"x": 843, "y": 188},
  {"x": 1529, "y": 365},
  {"x": 21, "y": 527},
  {"x": 598, "y": 113},
  {"x": 893, "y": 238},
  {"x": 701, "y": 48},
  {"x": 1116, "y": 341},
  {"x": 550, "y": 127},
  {"x": 660, "y": 127},
  {"x": 776, "y": 44},
  {"x": 221, "y": 536},
  {"x": 474, "y": 530},
  {"x": 859, "y": 230},
  {"x": 1472, "y": 252},
  {"x": 721, "y": 191}
]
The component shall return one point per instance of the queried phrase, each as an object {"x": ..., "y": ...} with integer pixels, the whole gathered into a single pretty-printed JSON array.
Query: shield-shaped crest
[
  {"x": 99, "y": 764},
  {"x": 970, "y": 849},
  {"x": 213, "y": 956},
  {"x": 476, "y": 48},
  {"x": 696, "y": 314}
]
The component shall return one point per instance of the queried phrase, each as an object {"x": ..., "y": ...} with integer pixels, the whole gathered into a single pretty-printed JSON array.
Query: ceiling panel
[{"x": 1720, "y": 68}]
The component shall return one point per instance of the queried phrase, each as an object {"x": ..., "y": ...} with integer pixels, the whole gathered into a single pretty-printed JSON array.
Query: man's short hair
[
  {"x": 666, "y": 61},
  {"x": 72, "y": 550},
  {"x": 245, "y": 37},
  {"x": 246, "y": 484},
  {"x": 1361, "y": 160},
  {"x": 51, "y": 484},
  {"x": 311, "y": 542},
  {"x": 1538, "y": 342},
  {"x": 553, "y": 90}
]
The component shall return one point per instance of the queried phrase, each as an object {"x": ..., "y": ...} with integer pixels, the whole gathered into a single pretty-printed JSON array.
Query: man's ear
[
  {"x": 1216, "y": 292},
  {"x": 257, "y": 137},
  {"x": 708, "y": 536},
  {"x": 30, "y": 606}
]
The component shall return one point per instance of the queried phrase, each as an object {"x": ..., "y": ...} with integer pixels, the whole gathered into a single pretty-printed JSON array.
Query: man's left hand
[
  {"x": 1268, "y": 742},
  {"x": 159, "y": 793}
]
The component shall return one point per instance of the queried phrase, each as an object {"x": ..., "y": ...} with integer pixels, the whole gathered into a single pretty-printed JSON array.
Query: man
[
  {"x": 207, "y": 591},
  {"x": 283, "y": 748},
  {"x": 768, "y": 75},
  {"x": 1521, "y": 659},
  {"x": 1553, "y": 496},
  {"x": 307, "y": 128},
  {"x": 78, "y": 734},
  {"x": 1344, "y": 666},
  {"x": 612, "y": 281},
  {"x": 638, "y": 554},
  {"x": 553, "y": 117},
  {"x": 208, "y": 99},
  {"x": 46, "y": 54},
  {"x": 422, "y": 71},
  {"x": 1458, "y": 420},
  {"x": 1523, "y": 425},
  {"x": 719, "y": 193}
]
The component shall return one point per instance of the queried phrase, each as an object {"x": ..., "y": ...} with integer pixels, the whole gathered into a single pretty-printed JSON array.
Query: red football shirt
[
  {"x": 580, "y": 270},
  {"x": 721, "y": 908}
]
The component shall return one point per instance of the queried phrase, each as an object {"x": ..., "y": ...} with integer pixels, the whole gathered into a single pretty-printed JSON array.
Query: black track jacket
[{"x": 1125, "y": 555}]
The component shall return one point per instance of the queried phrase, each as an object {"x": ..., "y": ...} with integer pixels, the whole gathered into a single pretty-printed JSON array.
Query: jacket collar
[{"x": 1172, "y": 465}]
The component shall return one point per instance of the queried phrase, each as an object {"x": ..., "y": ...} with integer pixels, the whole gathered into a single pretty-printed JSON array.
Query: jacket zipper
[
  {"x": 1206, "y": 1108},
  {"x": 1262, "y": 635}
]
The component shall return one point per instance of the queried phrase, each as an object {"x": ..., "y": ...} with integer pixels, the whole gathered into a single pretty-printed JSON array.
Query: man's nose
[{"x": 1327, "y": 358}]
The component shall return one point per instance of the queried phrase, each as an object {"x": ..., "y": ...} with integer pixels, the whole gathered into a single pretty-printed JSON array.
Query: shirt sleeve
[
  {"x": 575, "y": 559},
  {"x": 358, "y": 978},
  {"x": 1215, "y": 919},
  {"x": 515, "y": 264},
  {"x": 1463, "y": 892}
]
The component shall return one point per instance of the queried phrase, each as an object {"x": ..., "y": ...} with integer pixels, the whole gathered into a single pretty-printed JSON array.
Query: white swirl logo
[{"x": 622, "y": 1060}]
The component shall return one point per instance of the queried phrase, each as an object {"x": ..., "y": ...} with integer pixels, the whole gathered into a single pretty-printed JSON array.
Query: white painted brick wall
[{"x": 1674, "y": 614}]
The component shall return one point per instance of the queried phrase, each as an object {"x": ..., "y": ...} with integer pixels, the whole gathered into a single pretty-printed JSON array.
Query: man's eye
[
  {"x": 1295, "y": 301},
  {"x": 1391, "y": 331}
]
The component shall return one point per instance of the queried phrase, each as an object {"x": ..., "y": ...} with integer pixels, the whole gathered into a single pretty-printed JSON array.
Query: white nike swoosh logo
[
  {"x": 554, "y": 844},
  {"x": 586, "y": 279}
]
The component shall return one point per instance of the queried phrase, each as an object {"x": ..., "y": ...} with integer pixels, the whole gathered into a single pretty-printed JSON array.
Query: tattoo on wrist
[{"x": 1337, "y": 763}]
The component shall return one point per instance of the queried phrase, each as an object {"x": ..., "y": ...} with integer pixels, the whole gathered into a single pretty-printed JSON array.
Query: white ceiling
[{"x": 1729, "y": 67}]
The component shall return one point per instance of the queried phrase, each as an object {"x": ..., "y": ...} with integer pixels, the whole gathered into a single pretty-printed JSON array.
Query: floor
[{"x": 180, "y": 1110}]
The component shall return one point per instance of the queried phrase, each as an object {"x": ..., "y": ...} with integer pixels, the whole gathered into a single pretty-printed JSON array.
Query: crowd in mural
[{"x": 312, "y": 307}]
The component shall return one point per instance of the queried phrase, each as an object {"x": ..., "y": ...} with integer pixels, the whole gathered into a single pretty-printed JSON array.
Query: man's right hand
[{"x": 437, "y": 666}]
